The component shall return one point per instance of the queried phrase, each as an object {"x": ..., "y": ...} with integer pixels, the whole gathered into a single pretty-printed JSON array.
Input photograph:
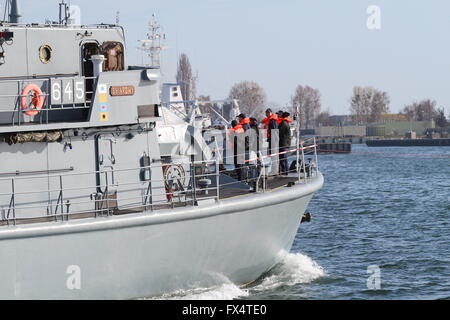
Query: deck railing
[
  {"x": 69, "y": 93},
  {"x": 102, "y": 198}
]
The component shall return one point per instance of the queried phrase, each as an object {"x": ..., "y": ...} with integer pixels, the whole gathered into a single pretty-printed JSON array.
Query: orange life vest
[
  {"x": 238, "y": 129},
  {"x": 286, "y": 119},
  {"x": 266, "y": 121},
  {"x": 245, "y": 121}
]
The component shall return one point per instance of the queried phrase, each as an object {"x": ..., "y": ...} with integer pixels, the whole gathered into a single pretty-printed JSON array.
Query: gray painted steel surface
[
  {"x": 117, "y": 142},
  {"x": 149, "y": 254}
]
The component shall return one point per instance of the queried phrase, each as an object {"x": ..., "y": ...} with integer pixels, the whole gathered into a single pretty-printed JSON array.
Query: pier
[
  {"x": 409, "y": 143},
  {"x": 342, "y": 147}
]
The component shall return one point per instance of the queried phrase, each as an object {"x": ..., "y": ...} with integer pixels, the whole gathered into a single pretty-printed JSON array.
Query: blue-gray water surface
[
  {"x": 381, "y": 209},
  {"x": 385, "y": 207}
]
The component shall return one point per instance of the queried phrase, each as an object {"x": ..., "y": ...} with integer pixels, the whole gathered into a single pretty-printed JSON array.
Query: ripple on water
[{"x": 390, "y": 212}]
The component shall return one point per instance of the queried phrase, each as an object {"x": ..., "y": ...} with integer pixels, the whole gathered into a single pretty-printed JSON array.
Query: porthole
[{"x": 45, "y": 54}]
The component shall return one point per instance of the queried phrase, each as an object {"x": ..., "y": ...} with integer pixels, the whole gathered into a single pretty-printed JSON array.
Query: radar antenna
[
  {"x": 153, "y": 44},
  {"x": 117, "y": 17},
  {"x": 64, "y": 12}
]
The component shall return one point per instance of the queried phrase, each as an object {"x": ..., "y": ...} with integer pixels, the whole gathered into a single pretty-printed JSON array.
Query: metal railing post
[
  {"x": 107, "y": 194},
  {"x": 194, "y": 188},
  {"x": 67, "y": 210},
  {"x": 12, "y": 203},
  {"x": 48, "y": 101},
  {"x": 303, "y": 163},
  {"x": 149, "y": 193},
  {"x": 97, "y": 204},
  {"x": 217, "y": 177},
  {"x": 315, "y": 153},
  {"x": 298, "y": 162},
  {"x": 19, "y": 96},
  {"x": 150, "y": 186},
  {"x": 62, "y": 199},
  {"x": 298, "y": 152},
  {"x": 263, "y": 172}
]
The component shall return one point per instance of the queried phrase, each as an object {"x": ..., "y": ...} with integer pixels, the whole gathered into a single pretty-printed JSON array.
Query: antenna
[
  {"x": 64, "y": 13},
  {"x": 118, "y": 17},
  {"x": 153, "y": 44},
  {"x": 5, "y": 11},
  {"x": 12, "y": 6}
]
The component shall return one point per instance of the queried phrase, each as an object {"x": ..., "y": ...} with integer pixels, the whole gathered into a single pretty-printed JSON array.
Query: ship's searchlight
[{"x": 151, "y": 75}]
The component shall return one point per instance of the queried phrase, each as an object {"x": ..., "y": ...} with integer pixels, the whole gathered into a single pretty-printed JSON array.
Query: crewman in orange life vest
[
  {"x": 236, "y": 127},
  {"x": 270, "y": 123},
  {"x": 285, "y": 142},
  {"x": 269, "y": 117},
  {"x": 244, "y": 121},
  {"x": 279, "y": 117}
]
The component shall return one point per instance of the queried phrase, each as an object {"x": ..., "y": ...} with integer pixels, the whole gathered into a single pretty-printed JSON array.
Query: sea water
[{"x": 380, "y": 230}]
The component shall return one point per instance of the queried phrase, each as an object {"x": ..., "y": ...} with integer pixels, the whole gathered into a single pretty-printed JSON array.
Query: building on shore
[{"x": 379, "y": 129}]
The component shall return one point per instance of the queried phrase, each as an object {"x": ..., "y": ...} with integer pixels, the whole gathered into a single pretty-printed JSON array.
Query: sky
[{"x": 281, "y": 44}]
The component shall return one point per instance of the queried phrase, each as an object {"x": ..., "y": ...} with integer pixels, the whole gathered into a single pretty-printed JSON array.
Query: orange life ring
[{"x": 37, "y": 100}]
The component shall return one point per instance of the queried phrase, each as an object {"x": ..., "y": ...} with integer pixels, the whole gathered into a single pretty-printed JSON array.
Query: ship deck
[
  {"x": 225, "y": 192},
  {"x": 229, "y": 192}
]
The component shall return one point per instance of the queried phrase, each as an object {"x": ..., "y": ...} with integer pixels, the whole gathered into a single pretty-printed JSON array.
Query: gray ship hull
[{"x": 148, "y": 254}]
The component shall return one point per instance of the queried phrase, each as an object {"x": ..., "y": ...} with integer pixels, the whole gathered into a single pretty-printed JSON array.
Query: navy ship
[{"x": 106, "y": 192}]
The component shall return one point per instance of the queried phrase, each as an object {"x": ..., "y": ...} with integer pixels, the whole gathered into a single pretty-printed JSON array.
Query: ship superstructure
[{"x": 97, "y": 175}]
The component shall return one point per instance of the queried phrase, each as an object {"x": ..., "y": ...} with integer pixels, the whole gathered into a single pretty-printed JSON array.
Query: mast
[
  {"x": 153, "y": 44},
  {"x": 64, "y": 13},
  {"x": 14, "y": 13}
]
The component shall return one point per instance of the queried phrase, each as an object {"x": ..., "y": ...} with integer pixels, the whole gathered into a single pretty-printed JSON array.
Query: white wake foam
[
  {"x": 295, "y": 268},
  {"x": 228, "y": 291}
]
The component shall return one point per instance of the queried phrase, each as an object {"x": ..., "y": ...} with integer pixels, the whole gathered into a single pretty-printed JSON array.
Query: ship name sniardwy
[{"x": 117, "y": 91}]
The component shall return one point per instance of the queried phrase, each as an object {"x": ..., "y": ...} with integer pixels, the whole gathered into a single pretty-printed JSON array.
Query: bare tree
[
  {"x": 359, "y": 105},
  {"x": 185, "y": 78},
  {"x": 307, "y": 101},
  {"x": 424, "y": 110},
  {"x": 379, "y": 106},
  {"x": 409, "y": 112},
  {"x": 205, "y": 107},
  {"x": 440, "y": 119},
  {"x": 323, "y": 119},
  {"x": 251, "y": 96},
  {"x": 368, "y": 104}
]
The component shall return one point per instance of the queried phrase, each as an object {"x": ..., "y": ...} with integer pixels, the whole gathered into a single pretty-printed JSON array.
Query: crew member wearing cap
[
  {"x": 279, "y": 117},
  {"x": 285, "y": 142},
  {"x": 236, "y": 127},
  {"x": 254, "y": 148},
  {"x": 244, "y": 121},
  {"x": 239, "y": 128},
  {"x": 270, "y": 123},
  {"x": 255, "y": 135}
]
